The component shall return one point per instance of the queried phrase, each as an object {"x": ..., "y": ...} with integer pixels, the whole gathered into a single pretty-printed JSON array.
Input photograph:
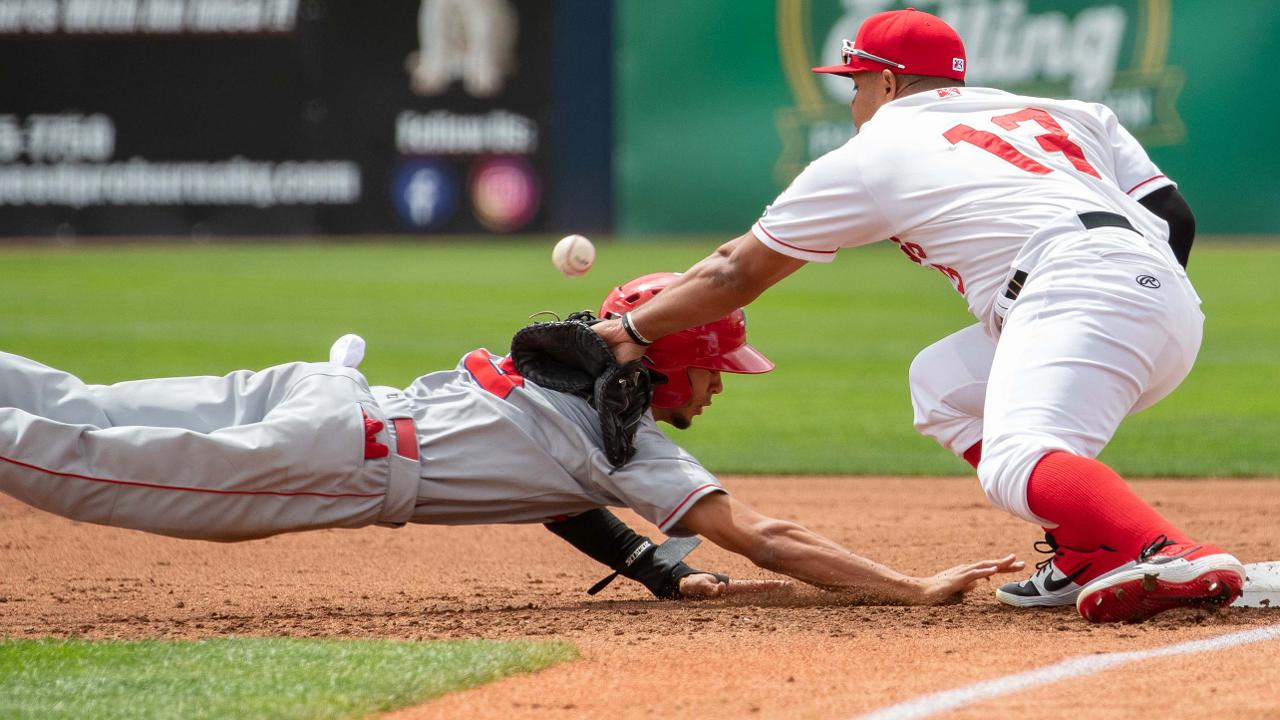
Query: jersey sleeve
[
  {"x": 661, "y": 482},
  {"x": 1136, "y": 174},
  {"x": 827, "y": 207}
]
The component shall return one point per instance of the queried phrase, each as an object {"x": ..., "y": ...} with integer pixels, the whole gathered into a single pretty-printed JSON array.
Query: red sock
[
  {"x": 1093, "y": 506},
  {"x": 974, "y": 454}
]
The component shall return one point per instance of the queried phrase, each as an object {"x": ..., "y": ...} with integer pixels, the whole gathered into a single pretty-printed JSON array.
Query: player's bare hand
[
  {"x": 948, "y": 585},
  {"x": 619, "y": 341},
  {"x": 700, "y": 586}
]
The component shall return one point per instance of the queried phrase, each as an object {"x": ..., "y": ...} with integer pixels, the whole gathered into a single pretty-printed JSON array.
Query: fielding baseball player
[
  {"x": 311, "y": 445},
  {"x": 1068, "y": 245}
]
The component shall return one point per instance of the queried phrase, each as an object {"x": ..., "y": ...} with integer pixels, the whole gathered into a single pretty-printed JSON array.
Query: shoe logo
[
  {"x": 1148, "y": 281},
  {"x": 1058, "y": 585}
]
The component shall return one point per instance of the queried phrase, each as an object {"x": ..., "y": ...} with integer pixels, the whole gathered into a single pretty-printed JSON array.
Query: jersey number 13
[{"x": 1055, "y": 140}]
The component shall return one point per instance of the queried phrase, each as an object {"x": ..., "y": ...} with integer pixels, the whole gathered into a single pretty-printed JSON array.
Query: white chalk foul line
[{"x": 934, "y": 703}]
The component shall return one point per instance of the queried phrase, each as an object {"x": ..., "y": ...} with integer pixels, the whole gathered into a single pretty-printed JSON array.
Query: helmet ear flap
[{"x": 671, "y": 389}]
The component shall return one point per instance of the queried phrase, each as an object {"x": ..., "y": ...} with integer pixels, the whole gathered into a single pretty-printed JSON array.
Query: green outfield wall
[{"x": 716, "y": 109}]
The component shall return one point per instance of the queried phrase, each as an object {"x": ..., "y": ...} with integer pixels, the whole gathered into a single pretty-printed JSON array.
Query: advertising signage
[
  {"x": 709, "y": 152},
  {"x": 213, "y": 117}
]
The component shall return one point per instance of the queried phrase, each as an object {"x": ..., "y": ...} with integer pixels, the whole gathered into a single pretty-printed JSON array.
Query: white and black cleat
[{"x": 1049, "y": 586}]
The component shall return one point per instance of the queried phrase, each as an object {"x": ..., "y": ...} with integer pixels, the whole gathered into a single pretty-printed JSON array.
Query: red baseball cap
[{"x": 906, "y": 41}]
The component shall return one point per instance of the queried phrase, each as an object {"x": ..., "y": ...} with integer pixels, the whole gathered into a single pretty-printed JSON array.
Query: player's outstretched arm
[{"x": 794, "y": 550}]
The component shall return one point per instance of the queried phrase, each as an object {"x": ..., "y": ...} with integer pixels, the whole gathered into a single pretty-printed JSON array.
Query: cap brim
[
  {"x": 857, "y": 65},
  {"x": 744, "y": 359}
]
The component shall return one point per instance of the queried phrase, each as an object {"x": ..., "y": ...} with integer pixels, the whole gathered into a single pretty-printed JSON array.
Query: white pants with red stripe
[
  {"x": 228, "y": 458},
  {"x": 1099, "y": 332}
]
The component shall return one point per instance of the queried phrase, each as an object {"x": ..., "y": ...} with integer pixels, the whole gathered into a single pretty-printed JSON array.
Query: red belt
[{"x": 406, "y": 438}]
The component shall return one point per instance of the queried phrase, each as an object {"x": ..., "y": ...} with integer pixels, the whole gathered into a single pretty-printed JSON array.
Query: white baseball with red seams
[
  {"x": 573, "y": 255},
  {"x": 979, "y": 183}
]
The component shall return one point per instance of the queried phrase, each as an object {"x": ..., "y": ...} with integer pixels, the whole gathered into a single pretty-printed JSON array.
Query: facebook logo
[{"x": 425, "y": 194}]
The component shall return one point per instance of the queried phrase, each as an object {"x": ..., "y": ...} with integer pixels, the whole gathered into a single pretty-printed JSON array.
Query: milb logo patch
[{"x": 957, "y": 64}]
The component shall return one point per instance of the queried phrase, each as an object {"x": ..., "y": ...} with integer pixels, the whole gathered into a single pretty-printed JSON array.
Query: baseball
[{"x": 573, "y": 255}]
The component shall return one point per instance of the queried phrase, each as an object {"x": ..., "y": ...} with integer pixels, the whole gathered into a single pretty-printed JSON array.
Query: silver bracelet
[{"x": 631, "y": 330}]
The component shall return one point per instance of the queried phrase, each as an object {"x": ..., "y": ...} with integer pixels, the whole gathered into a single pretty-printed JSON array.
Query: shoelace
[
  {"x": 1161, "y": 542},
  {"x": 1054, "y": 549}
]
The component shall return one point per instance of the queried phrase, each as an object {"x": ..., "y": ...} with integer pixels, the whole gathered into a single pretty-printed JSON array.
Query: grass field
[
  {"x": 249, "y": 677},
  {"x": 842, "y": 336}
]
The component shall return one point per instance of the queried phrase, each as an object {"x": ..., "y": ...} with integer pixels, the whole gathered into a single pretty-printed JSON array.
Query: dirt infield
[{"x": 799, "y": 655}]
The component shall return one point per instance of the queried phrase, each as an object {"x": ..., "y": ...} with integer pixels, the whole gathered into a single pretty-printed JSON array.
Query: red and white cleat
[{"x": 1167, "y": 575}]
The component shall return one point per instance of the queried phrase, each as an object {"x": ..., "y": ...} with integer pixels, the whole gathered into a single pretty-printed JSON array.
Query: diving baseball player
[
  {"x": 311, "y": 445},
  {"x": 1068, "y": 245}
]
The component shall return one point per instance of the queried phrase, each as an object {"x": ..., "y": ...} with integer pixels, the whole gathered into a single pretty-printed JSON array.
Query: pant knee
[
  {"x": 946, "y": 399},
  {"x": 1005, "y": 471}
]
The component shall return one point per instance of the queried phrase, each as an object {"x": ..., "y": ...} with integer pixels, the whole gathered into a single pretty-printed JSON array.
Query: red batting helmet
[{"x": 717, "y": 345}]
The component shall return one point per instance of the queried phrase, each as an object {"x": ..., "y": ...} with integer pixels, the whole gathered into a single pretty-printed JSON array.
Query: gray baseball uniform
[{"x": 254, "y": 454}]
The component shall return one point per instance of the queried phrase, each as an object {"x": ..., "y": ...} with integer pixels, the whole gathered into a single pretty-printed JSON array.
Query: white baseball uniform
[
  {"x": 1028, "y": 207},
  {"x": 254, "y": 454}
]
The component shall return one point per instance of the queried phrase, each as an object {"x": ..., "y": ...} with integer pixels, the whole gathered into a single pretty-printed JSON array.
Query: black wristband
[{"x": 636, "y": 337}]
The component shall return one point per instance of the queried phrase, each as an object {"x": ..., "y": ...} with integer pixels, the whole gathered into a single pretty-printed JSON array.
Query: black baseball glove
[{"x": 570, "y": 357}]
